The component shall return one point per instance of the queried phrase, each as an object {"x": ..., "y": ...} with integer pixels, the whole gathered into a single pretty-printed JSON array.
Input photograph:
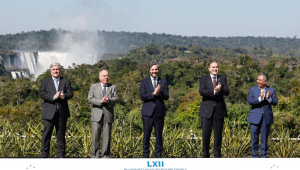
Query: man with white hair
[
  {"x": 55, "y": 91},
  {"x": 103, "y": 96}
]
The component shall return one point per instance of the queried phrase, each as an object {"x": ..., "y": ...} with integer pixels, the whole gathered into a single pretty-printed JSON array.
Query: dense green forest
[
  {"x": 120, "y": 42},
  {"x": 181, "y": 66}
]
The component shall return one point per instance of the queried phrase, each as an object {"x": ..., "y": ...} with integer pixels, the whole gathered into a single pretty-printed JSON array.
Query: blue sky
[{"x": 220, "y": 18}]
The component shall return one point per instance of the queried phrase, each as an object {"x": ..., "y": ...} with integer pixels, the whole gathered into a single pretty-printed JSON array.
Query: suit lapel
[
  {"x": 158, "y": 80},
  {"x": 99, "y": 89},
  {"x": 60, "y": 85},
  {"x": 52, "y": 85},
  {"x": 209, "y": 81},
  {"x": 257, "y": 92},
  {"x": 108, "y": 89},
  {"x": 149, "y": 83},
  {"x": 218, "y": 79}
]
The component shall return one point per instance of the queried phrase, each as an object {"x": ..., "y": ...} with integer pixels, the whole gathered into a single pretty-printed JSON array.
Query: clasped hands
[
  {"x": 157, "y": 90},
  {"x": 263, "y": 93},
  {"x": 218, "y": 88},
  {"x": 105, "y": 99},
  {"x": 59, "y": 95}
]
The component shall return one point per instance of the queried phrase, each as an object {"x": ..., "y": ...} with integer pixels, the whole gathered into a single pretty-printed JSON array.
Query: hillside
[{"x": 120, "y": 42}]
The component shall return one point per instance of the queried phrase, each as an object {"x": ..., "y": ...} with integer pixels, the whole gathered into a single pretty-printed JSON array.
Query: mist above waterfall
[
  {"x": 82, "y": 41},
  {"x": 69, "y": 47},
  {"x": 81, "y": 44}
]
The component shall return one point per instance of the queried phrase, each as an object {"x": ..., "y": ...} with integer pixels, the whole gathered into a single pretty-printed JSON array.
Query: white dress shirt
[
  {"x": 58, "y": 80},
  {"x": 212, "y": 80},
  {"x": 261, "y": 99}
]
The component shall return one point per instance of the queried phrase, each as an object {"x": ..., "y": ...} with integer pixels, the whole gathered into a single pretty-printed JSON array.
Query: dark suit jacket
[
  {"x": 256, "y": 106},
  {"x": 47, "y": 91},
  {"x": 206, "y": 90},
  {"x": 154, "y": 102}
]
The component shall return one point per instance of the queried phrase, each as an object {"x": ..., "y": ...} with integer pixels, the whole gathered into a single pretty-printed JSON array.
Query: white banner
[{"x": 150, "y": 164}]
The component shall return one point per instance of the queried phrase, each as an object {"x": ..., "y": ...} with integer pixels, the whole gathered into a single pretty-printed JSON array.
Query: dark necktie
[
  {"x": 104, "y": 90},
  {"x": 154, "y": 83},
  {"x": 215, "y": 83}
]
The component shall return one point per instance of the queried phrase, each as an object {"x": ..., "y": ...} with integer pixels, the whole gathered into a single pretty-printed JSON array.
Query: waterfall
[
  {"x": 39, "y": 62},
  {"x": 24, "y": 74},
  {"x": 14, "y": 75}
]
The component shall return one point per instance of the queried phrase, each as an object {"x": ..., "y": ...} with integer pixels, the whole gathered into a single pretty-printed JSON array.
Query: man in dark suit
[
  {"x": 55, "y": 91},
  {"x": 213, "y": 109},
  {"x": 103, "y": 96},
  {"x": 261, "y": 97},
  {"x": 153, "y": 91}
]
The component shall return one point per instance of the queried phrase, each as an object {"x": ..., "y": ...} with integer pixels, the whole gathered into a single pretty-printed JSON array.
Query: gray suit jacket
[{"x": 94, "y": 97}]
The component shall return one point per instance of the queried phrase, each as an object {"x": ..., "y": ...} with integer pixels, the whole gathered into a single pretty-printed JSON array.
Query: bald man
[{"x": 103, "y": 96}]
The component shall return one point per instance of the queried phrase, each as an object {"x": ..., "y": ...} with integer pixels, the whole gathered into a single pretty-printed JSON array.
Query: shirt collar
[
  {"x": 55, "y": 78},
  {"x": 211, "y": 76},
  {"x": 153, "y": 78},
  {"x": 102, "y": 85},
  {"x": 262, "y": 89}
]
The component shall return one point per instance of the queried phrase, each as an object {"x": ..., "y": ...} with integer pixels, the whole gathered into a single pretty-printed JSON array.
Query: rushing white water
[
  {"x": 39, "y": 62},
  {"x": 19, "y": 74},
  {"x": 14, "y": 75},
  {"x": 24, "y": 74}
]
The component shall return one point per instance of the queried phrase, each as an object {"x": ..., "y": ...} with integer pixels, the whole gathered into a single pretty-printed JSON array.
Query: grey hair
[
  {"x": 152, "y": 64},
  {"x": 55, "y": 64},
  {"x": 264, "y": 75}
]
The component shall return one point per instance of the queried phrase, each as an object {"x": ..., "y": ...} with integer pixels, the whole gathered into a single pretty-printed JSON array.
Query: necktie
[
  {"x": 154, "y": 83},
  {"x": 104, "y": 90},
  {"x": 56, "y": 85},
  {"x": 215, "y": 83},
  {"x": 56, "y": 88}
]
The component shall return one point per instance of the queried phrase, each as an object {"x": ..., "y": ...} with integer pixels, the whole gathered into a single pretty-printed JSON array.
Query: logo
[{"x": 155, "y": 163}]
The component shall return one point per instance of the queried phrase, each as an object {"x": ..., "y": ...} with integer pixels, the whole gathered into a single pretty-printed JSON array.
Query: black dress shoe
[{"x": 217, "y": 156}]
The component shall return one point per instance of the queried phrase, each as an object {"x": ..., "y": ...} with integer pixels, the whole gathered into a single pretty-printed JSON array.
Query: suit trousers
[
  {"x": 148, "y": 123},
  {"x": 60, "y": 127},
  {"x": 264, "y": 130},
  {"x": 97, "y": 128},
  {"x": 207, "y": 125}
]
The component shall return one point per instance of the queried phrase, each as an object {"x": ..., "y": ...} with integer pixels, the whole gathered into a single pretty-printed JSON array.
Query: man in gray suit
[{"x": 103, "y": 96}]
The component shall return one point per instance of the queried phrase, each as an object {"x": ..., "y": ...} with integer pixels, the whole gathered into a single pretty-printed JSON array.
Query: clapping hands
[
  {"x": 218, "y": 88},
  {"x": 104, "y": 99},
  {"x": 59, "y": 95},
  {"x": 157, "y": 90}
]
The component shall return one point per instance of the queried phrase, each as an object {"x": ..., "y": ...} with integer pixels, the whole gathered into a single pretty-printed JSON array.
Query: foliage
[
  {"x": 120, "y": 42},
  {"x": 181, "y": 66}
]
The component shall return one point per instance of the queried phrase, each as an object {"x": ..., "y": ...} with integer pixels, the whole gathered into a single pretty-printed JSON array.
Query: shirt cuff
[
  {"x": 259, "y": 99},
  {"x": 269, "y": 100}
]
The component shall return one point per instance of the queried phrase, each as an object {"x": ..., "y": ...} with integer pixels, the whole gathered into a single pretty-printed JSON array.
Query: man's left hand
[
  {"x": 218, "y": 88},
  {"x": 62, "y": 95}
]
